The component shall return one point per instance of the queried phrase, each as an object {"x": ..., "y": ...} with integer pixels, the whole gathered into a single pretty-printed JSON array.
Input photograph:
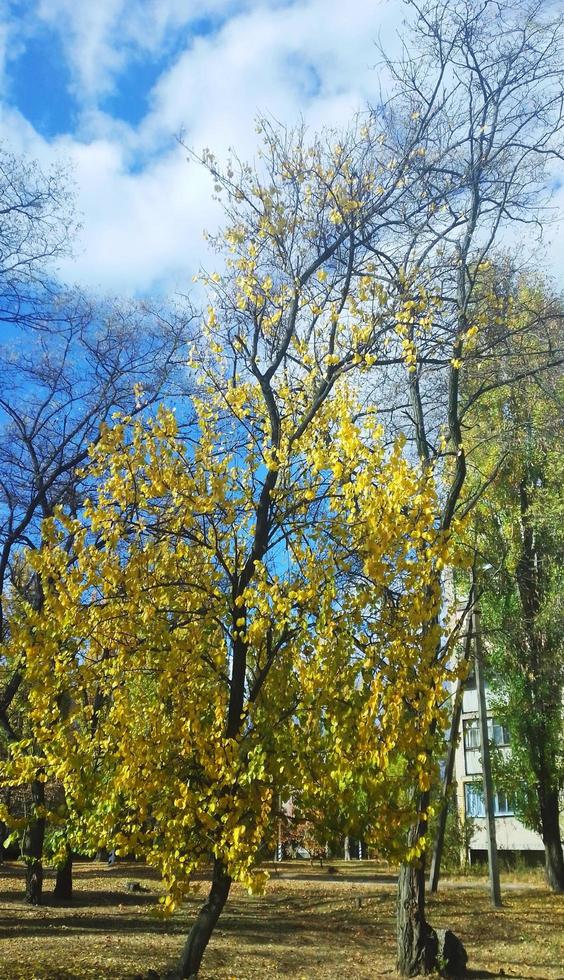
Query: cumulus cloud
[
  {"x": 101, "y": 38},
  {"x": 143, "y": 207},
  {"x": 309, "y": 58},
  {"x": 219, "y": 63}
]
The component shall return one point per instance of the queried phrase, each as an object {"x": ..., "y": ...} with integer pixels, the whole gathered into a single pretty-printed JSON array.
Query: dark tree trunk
[
  {"x": 206, "y": 920},
  {"x": 63, "y": 881},
  {"x": 417, "y": 941},
  {"x": 205, "y": 923},
  {"x": 554, "y": 861},
  {"x": 33, "y": 848},
  {"x": 546, "y": 707}
]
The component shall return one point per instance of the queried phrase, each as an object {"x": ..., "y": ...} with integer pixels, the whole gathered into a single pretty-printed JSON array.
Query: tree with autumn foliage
[
  {"x": 67, "y": 361},
  {"x": 143, "y": 630},
  {"x": 257, "y": 598},
  {"x": 310, "y": 545},
  {"x": 484, "y": 82},
  {"x": 517, "y": 528}
]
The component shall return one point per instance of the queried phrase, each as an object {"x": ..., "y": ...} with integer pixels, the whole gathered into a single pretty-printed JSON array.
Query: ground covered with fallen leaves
[{"x": 312, "y": 923}]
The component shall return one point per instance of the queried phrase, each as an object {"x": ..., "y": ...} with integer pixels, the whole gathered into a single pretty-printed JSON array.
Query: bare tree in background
[
  {"x": 484, "y": 82},
  {"x": 37, "y": 224}
]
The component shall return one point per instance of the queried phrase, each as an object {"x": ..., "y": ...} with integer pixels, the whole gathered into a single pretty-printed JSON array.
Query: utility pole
[
  {"x": 279, "y": 845},
  {"x": 449, "y": 769},
  {"x": 495, "y": 890}
]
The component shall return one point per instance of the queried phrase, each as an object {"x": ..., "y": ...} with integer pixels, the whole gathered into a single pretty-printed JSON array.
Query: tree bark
[
  {"x": 417, "y": 941},
  {"x": 531, "y": 584},
  {"x": 33, "y": 848},
  {"x": 63, "y": 881},
  {"x": 206, "y": 920},
  {"x": 554, "y": 861}
]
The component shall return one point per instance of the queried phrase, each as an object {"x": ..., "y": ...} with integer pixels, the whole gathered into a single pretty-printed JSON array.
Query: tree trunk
[
  {"x": 63, "y": 882},
  {"x": 417, "y": 941},
  {"x": 33, "y": 848},
  {"x": 205, "y": 923},
  {"x": 554, "y": 862}
]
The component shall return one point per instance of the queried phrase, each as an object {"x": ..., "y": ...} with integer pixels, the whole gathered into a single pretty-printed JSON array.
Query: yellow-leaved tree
[
  {"x": 184, "y": 672},
  {"x": 249, "y": 602}
]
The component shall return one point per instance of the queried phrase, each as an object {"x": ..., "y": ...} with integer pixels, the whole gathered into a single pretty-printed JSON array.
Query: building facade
[{"x": 511, "y": 835}]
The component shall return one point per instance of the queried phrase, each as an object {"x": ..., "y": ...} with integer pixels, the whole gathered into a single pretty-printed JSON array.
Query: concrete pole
[
  {"x": 449, "y": 769},
  {"x": 279, "y": 845},
  {"x": 495, "y": 890}
]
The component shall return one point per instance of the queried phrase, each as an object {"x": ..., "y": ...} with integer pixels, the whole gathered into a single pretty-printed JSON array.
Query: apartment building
[{"x": 511, "y": 834}]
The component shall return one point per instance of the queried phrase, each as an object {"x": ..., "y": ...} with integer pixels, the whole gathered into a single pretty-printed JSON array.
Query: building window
[
  {"x": 470, "y": 682},
  {"x": 472, "y": 761},
  {"x": 474, "y": 802},
  {"x": 497, "y": 733}
]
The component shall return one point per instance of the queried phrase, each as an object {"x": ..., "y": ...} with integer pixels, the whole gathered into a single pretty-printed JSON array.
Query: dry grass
[{"x": 308, "y": 925}]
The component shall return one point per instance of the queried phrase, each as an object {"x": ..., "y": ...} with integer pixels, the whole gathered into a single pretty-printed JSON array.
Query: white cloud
[
  {"x": 144, "y": 208},
  {"x": 141, "y": 230},
  {"x": 312, "y": 58},
  {"x": 84, "y": 29},
  {"x": 100, "y": 37}
]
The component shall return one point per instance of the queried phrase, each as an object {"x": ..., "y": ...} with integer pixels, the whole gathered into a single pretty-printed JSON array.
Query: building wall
[{"x": 511, "y": 834}]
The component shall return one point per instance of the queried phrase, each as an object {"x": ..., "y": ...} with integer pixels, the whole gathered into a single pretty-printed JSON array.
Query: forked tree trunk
[
  {"x": 33, "y": 848},
  {"x": 63, "y": 881},
  {"x": 206, "y": 920},
  {"x": 554, "y": 862}
]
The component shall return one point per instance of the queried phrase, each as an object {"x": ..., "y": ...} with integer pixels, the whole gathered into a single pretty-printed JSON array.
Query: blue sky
[
  {"x": 107, "y": 85},
  {"x": 44, "y": 82}
]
